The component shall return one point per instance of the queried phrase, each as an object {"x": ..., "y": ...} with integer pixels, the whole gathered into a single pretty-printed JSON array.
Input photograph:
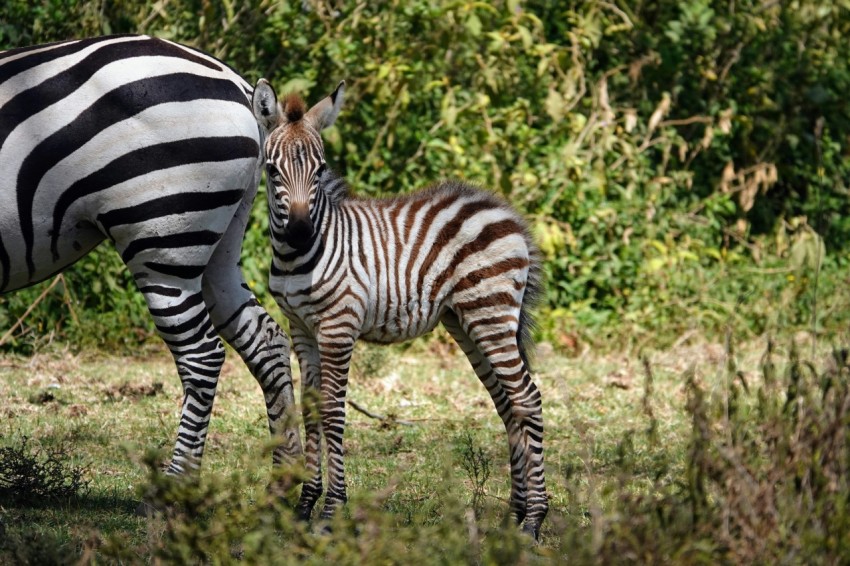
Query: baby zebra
[{"x": 387, "y": 270}]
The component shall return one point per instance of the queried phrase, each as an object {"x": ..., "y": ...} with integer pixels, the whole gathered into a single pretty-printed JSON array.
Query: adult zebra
[
  {"x": 154, "y": 146},
  {"x": 388, "y": 270}
]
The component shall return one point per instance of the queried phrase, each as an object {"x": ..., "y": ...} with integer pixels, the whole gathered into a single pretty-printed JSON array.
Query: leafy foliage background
[{"x": 684, "y": 164}]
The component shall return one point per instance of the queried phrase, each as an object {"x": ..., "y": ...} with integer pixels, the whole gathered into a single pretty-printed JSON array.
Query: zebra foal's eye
[{"x": 274, "y": 175}]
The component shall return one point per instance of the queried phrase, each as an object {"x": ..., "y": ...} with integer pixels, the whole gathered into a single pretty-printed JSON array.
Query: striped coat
[
  {"x": 153, "y": 146},
  {"x": 386, "y": 270}
]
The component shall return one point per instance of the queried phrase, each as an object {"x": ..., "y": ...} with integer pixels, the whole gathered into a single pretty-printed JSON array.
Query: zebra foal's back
[
  {"x": 152, "y": 145},
  {"x": 426, "y": 252}
]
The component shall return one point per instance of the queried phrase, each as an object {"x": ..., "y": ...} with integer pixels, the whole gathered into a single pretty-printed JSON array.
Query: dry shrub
[
  {"x": 35, "y": 475},
  {"x": 764, "y": 480}
]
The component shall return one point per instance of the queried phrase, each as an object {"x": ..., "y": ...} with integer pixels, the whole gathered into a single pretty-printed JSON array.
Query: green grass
[{"x": 619, "y": 447}]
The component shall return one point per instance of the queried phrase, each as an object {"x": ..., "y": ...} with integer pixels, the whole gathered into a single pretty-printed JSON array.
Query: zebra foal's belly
[
  {"x": 397, "y": 324},
  {"x": 382, "y": 318}
]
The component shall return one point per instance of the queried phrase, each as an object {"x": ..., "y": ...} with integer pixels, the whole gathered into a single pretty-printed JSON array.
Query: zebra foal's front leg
[
  {"x": 307, "y": 352},
  {"x": 335, "y": 353}
]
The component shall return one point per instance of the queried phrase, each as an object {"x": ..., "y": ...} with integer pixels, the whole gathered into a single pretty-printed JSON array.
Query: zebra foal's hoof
[
  {"x": 303, "y": 516},
  {"x": 147, "y": 509},
  {"x": 532, "y": 531}
]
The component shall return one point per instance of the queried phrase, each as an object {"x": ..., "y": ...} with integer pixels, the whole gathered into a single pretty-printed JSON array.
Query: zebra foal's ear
[
  {"x": 324, "y": 113},
  {"x": 266, "y": 107}
]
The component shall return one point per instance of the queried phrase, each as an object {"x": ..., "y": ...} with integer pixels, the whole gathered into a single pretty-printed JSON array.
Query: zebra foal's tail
[{"x": 530, "y": 299}]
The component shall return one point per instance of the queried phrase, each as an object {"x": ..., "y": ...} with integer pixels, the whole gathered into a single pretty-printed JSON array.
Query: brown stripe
[
  {"x": 386, "y": 240},
  {"x": 487, "y": 236},
  {"x": 448, "y": 232},
  {"x": 357, "y": 233},
  {"x": 474, "y": 278},
  {"x": 495, "y": 299},
  {"x": 371, "y": 246},
  {"x": 398, "y": 242},
  {"x": 417, "y": 240}
]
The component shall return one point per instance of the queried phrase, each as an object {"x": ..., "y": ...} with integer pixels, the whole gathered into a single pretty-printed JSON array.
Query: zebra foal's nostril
[{"x": 299, "y": 228}]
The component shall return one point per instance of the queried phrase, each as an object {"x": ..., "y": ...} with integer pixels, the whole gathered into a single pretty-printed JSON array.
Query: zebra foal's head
[{"x": 295, "y": 155}]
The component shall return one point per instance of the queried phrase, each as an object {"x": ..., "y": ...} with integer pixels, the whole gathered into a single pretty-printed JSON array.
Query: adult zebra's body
[
  {"x": 154, "y": 146},
  {"x": 388, "y": 270}
]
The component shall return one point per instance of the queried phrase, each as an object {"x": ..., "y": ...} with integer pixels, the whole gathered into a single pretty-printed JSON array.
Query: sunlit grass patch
[{"x": 675, "y": 456}]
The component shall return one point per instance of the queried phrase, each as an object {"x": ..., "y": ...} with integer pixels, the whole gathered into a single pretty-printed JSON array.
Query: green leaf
[{"x": 473, "y": 24}]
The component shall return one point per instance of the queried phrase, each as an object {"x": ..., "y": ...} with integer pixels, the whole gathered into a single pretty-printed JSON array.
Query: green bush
[{"x": 673, "y": 158}]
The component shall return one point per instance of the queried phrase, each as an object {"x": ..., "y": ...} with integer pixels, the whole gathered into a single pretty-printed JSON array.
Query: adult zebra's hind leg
[
  {"x": 516, "y": 448},
  {"x": 177, "y": 305},
  {"x": 254, "y": 334},
  {"x": 264, "y": 348},
  {"x": 495, "y": 337}
]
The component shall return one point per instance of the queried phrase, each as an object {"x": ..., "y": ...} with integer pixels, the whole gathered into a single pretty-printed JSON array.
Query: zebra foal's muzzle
[{"x": 299, "y": 228}]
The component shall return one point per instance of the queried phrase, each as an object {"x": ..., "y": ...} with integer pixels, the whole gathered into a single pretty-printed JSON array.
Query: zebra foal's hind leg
[
  {"x": 516, "y": 447},
  {"x": 494, "y": 335}
]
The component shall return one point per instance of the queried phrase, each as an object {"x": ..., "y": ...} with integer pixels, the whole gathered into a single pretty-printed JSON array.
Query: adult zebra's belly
[{"x": 19, "y": 269}]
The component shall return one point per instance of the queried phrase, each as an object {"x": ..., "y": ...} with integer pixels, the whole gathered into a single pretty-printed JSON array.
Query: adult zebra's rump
[
  {"x": 387, "y": 270},
  {"x": 154, "y": 146}
]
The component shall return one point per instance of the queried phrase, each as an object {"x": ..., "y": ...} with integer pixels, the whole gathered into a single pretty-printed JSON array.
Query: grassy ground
[{"x": 615, "y": 427}]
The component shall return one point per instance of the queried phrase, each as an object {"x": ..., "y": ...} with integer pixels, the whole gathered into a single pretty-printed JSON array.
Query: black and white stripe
[
  {"x": 152, "y": 145},
  {"x": 387, "y": 270}
]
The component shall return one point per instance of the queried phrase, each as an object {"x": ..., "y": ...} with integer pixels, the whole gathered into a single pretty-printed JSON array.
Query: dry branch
[
  {"x": 30, "y": 309},
  {"x": 385, "y": 419}
]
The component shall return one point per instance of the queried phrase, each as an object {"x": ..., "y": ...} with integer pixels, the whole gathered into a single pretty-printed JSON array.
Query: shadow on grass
[
  {"x": 63, "y": 530},
  {"x": 88, "y": 502}
]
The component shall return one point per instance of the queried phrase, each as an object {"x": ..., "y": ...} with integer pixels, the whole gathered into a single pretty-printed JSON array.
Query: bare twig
[
  {"x": 30, "y": 309},
  {"x": 819, "y": 155},
  {"x": 626, "y": 19},
  {"x": 387, "y": 419},
  {"x": 683, "y": 338},
  {"x": 686, "y": 121},
  {"x": 68, "y": 300},
  {"x": 158, "y": 10},
  {"x": 736, "y": 55}
]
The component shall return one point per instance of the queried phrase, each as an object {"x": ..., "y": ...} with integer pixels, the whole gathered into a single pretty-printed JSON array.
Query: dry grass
[{"x": 618, "y": 439}]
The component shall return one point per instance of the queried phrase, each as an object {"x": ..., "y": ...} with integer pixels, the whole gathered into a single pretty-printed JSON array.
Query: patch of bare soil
[{"x": 132, "y": 391}]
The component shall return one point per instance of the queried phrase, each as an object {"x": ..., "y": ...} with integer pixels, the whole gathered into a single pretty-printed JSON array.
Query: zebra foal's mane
[
  {"x": 335, "y": 187},
  {"x": 294, "y": 107}
]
